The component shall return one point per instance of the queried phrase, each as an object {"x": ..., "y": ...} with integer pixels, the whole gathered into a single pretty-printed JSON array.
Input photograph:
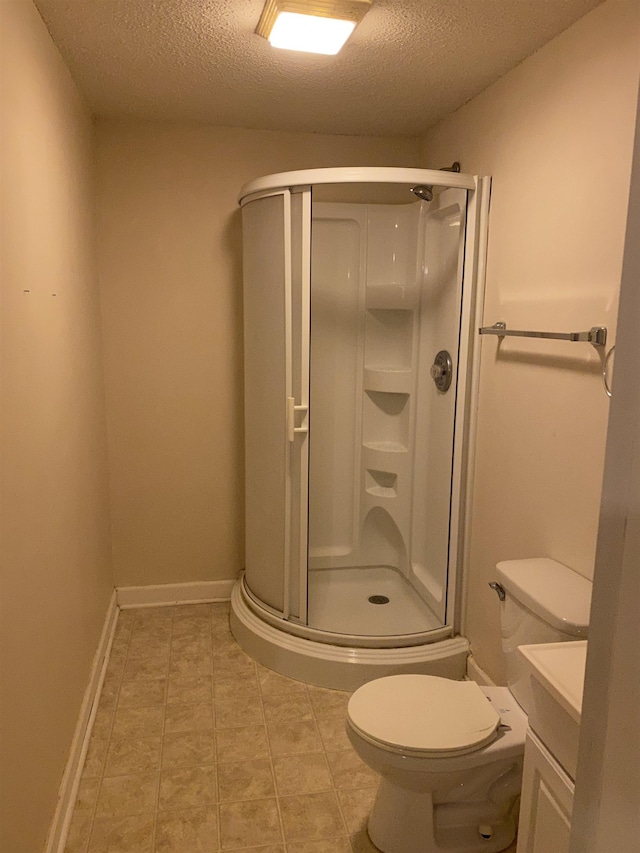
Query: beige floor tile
[
  {"x": 79, "y": 832},
  {"x": 116, "y": 665},
  {"x": 301, "y": 774},
  {"x": 241, "y": 744},
  {"x": 329, "y": 845},
  {"x": 188, "y": 718},
  {"x": 230, "y": 688},
  {"x": 133, "y": 756},
  {"x": 151, "y": 646},
  {"x": 220, "y": 624},
  {"x": 183, "y": 666},
  {"x": 154, "y": 635},
  {"x": 128, "y": 795},
  {"x": 191, "y": 629},
  {"x": 361, "y": 843},
  {"x": 190, "y": 690},
  {"x": 190, "y": 646},
  {"x": 233, "y": 662},
  {"x": 123, "y": 835},
  {"x": 109, "y": 692},
  {"x": 142, "y": 693},
  {"x": 222, "y": 641},
  {"x": 356, "y": 805},
  {"x": 282, "y": 708},
  {"x": 245, "y": 780},
  {"x": 270, "y": 848},
  {"x": 333, "y": 733},
  {"x": 328, "y": 703},
  {"x": 191, "y": 611},
  {"x": 124, "y": 630},
  {"x": 138, "y": 722},
  {"x": 240, "y": 710},
  {"x": 87, "y": 795},
  {"x": 188, "y": 831},
  {"x": 187, "y": 787},
  {"x": 138, "y": 669},
  {"x": 249, "y": 824},
  {"x": 96, "y": 756},
  {"x": 311, "y": 816},
  {"x": 103, "y": 721},
  {"x": 294, "y": 738},
  {"x": 186, "y": 749},
  {"x": 152, "y": 616},
  {"x": 348, "y": 771},
  {"x": 272, "y": 683}
]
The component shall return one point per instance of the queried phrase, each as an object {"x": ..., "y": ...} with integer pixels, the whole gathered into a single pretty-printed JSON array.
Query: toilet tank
[{"x": 544, "y": 602}]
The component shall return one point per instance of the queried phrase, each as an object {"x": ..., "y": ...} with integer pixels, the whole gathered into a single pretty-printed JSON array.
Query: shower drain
[{"x": 378, "y": 599}]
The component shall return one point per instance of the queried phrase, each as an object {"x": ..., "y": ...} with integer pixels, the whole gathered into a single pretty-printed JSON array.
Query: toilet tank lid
[{"x": 551, "y": 590}]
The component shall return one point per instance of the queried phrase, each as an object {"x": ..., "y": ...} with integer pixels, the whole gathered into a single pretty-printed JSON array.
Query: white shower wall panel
[{"x": 337, "y": 329}]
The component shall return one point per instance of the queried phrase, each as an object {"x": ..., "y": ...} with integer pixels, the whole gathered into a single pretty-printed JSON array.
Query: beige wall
[
  {"x": 556, "y": 134},
  {"x": 171, "y": 291},
  {"x": 56, "y": 579}
]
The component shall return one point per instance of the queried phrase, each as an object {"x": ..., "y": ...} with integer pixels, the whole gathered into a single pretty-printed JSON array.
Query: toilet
[{"x": 450, "y": 753}]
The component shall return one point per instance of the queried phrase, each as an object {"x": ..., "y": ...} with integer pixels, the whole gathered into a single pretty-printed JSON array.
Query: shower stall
[{"x": 361, "y": 296}]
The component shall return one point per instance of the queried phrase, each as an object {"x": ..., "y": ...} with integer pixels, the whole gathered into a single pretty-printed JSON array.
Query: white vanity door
[{"x": 547, "y": 801}]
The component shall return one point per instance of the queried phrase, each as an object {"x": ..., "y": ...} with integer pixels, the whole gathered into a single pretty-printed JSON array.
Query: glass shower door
[{"x": 276, "y": 239}]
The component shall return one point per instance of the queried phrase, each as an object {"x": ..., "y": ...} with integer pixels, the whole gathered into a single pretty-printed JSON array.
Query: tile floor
[{"x": 197, "y": 749}]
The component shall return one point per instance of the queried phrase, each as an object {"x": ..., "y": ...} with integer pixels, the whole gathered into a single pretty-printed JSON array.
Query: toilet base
[{"x": 402, "y": 821}]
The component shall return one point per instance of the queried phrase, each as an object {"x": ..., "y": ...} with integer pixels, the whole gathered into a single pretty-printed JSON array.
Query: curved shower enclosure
[{"x": 360, "y": 302}]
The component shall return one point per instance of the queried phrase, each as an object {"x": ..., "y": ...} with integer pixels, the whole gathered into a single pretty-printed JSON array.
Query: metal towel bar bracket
[{"x": 597, "y": 335}]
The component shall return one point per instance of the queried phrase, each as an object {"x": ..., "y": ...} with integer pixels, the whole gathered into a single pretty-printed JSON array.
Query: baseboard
[
  {"x": 68, "y": 791},
  {"x": 477, "y": 674},
  {"x": 174, "y": 593}
]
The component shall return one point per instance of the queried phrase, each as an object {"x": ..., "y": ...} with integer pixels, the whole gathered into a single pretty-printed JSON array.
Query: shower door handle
[{"x": 292, "y": 429}]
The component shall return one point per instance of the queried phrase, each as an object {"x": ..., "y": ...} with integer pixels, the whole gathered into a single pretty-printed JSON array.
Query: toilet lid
[{"x": 425, "y": 713}]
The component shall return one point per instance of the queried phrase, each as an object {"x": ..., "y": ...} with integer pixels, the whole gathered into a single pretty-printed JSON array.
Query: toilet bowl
[
  {"x": 450, "y": 756},
  {"x": 450, "y": 753}
]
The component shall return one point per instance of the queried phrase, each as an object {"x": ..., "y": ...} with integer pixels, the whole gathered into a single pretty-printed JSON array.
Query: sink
[{"x": 557, "y": 671}]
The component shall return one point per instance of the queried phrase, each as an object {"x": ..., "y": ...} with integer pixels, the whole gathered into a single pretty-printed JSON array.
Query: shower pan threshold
[
  {"x": 339, "y": 602},
  {"x": 341, "y": 667}
]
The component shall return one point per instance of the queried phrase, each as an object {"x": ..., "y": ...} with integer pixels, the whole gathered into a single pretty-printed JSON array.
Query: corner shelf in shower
[
  {"x": 388, "y": 380},
  {"x": 385, "y": 446},
  {"x": 381, "y": 484}
]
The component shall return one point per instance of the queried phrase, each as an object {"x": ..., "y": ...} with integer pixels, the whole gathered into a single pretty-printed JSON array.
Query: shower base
[
  {"x": 339, "y": 602},
  {"x": 343, "y": 662}
]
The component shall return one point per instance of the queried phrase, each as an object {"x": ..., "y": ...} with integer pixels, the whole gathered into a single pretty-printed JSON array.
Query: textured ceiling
[{"x": 407, "y": 64}]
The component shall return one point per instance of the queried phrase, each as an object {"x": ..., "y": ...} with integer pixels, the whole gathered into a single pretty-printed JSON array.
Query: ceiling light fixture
[{"x": 312, "y": 26}]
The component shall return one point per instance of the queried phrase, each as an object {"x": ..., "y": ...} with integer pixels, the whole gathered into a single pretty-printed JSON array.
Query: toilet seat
[{"x": 423, "y": 714}]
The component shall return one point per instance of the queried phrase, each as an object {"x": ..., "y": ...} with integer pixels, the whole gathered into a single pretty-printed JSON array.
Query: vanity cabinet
[{"x": 547, "y": 801}]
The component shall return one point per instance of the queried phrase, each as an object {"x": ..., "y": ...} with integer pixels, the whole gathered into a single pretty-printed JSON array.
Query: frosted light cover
[{"x": 309, "y": 33}]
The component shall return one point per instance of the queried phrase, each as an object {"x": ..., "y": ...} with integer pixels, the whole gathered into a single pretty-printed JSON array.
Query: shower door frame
[
  {"x": 475, "y": 240},
  {"x": 296, "y": 413}
]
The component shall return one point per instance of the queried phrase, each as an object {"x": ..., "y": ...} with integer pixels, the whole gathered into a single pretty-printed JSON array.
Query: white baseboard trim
[
  {"x": 59, "y": 829},
  {"x": 174, "y": 593},
  {"x": 477, "y": 674}
]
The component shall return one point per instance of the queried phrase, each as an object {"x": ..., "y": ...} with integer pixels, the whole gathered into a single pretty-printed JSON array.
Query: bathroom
[{"x": 123, "y": 391}]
